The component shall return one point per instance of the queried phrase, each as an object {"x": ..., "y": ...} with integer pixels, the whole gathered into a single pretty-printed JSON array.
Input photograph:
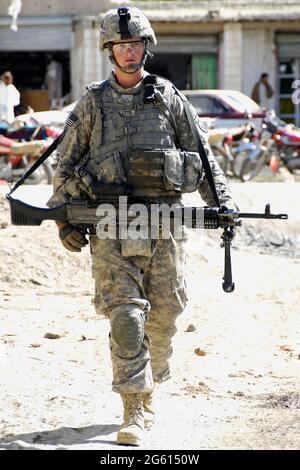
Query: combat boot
[
  {"x": 149, "y": 412},
  {"x": 132, "y": 430}
]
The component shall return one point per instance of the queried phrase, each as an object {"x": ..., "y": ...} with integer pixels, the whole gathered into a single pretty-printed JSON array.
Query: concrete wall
[
  {"x": 232, "y": 56},
  {"x": 245, "y": 50},
  {"x": 59, "y": 7},
  {"x": 244, "y": 53},
  {"x": 258, "y": 57},
  {"x": 88, "y": 64}
]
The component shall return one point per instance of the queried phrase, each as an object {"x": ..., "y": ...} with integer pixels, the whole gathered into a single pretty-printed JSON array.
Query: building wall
[
  {"x": 232, "y": 56},
  {"x": 88, "y": 64},
  {"x": 58, "y": 7},
  {"x": 245, "y": 49},
  {"x": 258, "y": 56}
]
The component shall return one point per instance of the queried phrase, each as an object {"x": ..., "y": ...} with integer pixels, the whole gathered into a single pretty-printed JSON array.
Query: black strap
[
  {"x": 38, "y": 162},
  {"x": 196, "y": 135},
  {"x": 150, "y": 81},
  {"x": 202, "y": 152},
  {"x": 124, "y": 17}
]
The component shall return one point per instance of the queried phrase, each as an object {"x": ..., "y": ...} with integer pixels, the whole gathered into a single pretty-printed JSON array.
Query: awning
[
  {"x": 37, "y": 34},
  {"x": 199, "y": 44}
]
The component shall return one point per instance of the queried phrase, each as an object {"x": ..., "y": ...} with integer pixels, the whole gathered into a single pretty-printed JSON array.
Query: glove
[{"x": 71, "y": 238}]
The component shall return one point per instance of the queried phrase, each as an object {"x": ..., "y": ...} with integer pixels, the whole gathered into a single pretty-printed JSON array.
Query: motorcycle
[
  {"x": 242, "y": 145},
  {"x": 220, "y": 140},
  {"x": 31, "y": 130},
  {"x": 17, "y": 157},
  {"x": 287, "y": 143},
  {"x": 279, "y": 143},
  {"x": 228, "y": 144}
]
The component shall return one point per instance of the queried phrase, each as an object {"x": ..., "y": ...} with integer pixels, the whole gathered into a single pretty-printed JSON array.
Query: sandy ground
[{"x": 241, "y": 391}]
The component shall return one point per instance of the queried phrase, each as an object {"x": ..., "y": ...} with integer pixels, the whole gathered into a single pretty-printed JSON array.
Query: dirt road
[{"x": 241, "y": 390}]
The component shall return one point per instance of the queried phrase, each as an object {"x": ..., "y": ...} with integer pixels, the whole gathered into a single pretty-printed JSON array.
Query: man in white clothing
[
  {"x": 9, "y": 97},
  {"x": 262, "y": 92}
]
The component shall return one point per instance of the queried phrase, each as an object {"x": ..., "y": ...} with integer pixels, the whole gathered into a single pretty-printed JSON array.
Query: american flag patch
[{"x": 71, "y": 119}]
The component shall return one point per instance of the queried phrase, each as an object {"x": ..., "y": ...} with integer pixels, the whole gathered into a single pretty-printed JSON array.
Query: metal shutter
[
  {"x": 37, "y": 34},
  {"x": 288, "y": 45},
  {"x": 186, "y": 44}
]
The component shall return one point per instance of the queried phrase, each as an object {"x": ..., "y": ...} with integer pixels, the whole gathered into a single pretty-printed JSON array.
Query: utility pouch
[
  {"x": 98, "y": 183},
  {"x": 107, "y": 168},
  {"x": 192, "y": 171},
  {"x": 136, "y": 247},
  {"x": 173, "y": 170}
]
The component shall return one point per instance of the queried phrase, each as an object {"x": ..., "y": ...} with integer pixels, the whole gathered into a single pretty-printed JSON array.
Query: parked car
[
  {"x": 53, "y": 117},
  {"x": 219, "y": 108},
  {"x": 229, "y": 108}
]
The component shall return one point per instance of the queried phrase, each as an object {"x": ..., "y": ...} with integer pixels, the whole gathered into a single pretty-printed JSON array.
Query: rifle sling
[
  {"x": 38, "y": 162},
  {"x": 202, "y": 153}
]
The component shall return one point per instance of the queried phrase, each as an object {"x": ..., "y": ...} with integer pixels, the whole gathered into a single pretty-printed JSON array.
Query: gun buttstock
[{"x": 24, "y": 214}]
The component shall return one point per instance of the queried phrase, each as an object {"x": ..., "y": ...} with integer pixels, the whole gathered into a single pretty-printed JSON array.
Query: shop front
[
  {"x": 190, "y": 62},
  {"x": 38, "y": 55},
  {"x": 289, "y": 77}
]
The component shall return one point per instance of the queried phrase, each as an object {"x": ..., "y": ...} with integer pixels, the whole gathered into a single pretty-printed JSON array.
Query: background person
[
  {"x": 9, "y": 97},
  {"x": 54, "y": 81},
  {"x": 262, "y": 92}
]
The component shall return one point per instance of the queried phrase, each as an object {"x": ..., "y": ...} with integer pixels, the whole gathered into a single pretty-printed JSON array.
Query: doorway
[{"x": 29, "y": 70}]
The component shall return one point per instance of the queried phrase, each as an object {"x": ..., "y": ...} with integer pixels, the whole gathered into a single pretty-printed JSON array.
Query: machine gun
[{"x": 85, "y": 216}]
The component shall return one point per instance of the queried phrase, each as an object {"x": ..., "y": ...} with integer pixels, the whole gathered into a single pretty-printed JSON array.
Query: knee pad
[{"x": 127, "y": 330}]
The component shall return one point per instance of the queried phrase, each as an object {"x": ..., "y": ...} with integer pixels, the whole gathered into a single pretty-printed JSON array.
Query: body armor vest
[
  {"x": 133, "y": 144},
  {"x": 134, "y": 136}
]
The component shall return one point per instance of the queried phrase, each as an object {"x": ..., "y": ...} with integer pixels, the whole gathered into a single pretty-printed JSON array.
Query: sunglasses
[{"x": 122, "y": 47}]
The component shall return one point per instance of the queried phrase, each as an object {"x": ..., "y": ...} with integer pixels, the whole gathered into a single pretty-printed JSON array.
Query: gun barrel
[{"x": 254, "y": 215}]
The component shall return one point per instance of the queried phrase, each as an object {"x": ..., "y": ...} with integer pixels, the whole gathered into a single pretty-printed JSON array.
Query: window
[
  {"x": 289, "y": 71},
  {"x": 206, "y": 105}
]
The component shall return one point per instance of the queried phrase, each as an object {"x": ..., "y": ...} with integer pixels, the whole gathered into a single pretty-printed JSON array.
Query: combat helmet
[{"x": 125, "y": 23}]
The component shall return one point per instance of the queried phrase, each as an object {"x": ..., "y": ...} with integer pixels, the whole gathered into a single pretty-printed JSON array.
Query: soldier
[{"x": 131, "y": 132}]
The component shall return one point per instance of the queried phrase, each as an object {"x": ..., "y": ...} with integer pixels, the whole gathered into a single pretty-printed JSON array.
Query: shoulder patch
[{"x": 71, "y": 119}]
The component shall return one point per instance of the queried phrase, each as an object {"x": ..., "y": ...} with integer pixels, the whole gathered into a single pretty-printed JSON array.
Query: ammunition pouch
[
  {"x": 192, "y": 171},
  {"x": 158, "y": 172},
  {"x": 104, "y": 176},
  {"x": 169, "y": 170}
]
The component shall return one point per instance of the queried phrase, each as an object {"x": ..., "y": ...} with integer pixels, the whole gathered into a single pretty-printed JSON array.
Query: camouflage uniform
[{"x": 146, "y": 290}]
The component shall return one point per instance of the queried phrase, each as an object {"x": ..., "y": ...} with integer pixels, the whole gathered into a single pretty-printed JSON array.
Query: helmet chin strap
[
  {"x": 133, "y": 68},
  {"x": 129, "y": 69}
]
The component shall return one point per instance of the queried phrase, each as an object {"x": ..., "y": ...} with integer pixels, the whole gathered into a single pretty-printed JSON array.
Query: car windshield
[
  {"x": 240, "y": 101},
  {"x": 206, "y": 104}
]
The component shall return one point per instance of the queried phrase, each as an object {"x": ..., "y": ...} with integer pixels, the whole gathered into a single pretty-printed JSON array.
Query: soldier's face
[{"x": 129, "y": 53}]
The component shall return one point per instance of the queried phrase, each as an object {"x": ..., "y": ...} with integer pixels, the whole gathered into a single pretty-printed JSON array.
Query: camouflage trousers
[{"x": 156, "y": 285}]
